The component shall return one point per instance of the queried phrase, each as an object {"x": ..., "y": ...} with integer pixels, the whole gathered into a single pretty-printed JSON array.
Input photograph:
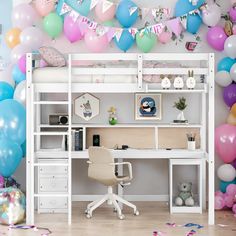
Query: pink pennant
[
  {"x": 175, "y": 26},
  {"x": 110, "y": 34}
]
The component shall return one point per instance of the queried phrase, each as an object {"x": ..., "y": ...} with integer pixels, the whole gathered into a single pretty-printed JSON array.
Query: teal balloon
[
  {"x": 23, "y": 147},
  {"x": 123, "y": 13},
  {"x": 184, "y": 6},
  {"x": 194, "y": 22},
  {"x": 17, "y": 74},
  {"x": 224, "y": 185},
  {"x": 6, "y": 91},
  {"x": 125, "y": 42},
  {"x": 225, "y": 64},
  {"x": 10, "y": 157},
  {"x": 13, "y": 121}
]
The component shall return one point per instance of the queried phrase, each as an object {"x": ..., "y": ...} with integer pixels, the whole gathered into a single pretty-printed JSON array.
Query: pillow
[{"x": 52, "y": 56}]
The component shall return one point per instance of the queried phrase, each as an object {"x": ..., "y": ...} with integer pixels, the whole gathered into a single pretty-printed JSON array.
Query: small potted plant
[
  {"x": 112, "y": 116},
  {"x": 180, "y": 105}
]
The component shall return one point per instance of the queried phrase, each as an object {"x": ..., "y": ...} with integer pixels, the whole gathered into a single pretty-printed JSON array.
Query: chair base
[{"x": 111, "y": 199}]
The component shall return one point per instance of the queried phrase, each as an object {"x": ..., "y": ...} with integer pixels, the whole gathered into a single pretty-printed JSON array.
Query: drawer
[
  {"x": 53, "y": 170},
  {"x": 53, "y": 203},
  {"x": 53, "y": 184}
]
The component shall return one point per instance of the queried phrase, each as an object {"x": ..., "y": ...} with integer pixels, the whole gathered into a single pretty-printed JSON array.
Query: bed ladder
[{"x": 32, "y": 160}]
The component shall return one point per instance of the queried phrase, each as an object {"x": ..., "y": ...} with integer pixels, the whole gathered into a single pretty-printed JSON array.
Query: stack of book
[{"x": 77, "y": 140}]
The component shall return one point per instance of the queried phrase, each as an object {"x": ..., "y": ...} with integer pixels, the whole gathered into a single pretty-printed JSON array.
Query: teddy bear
[{"x": 185, "y": 196}]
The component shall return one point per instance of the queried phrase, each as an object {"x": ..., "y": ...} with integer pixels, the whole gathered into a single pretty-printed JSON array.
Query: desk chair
[{"x": 102, "y": 169}]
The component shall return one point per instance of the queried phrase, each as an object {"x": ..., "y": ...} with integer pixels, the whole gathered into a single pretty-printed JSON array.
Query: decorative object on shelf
[
  {"x": 191, "y": 141},
  {"x": 178, "y": 82},
  {"x": 181, "y": 105},
  {"x": 112, "y": 116},
  {"x": 87, "y": 106},
  {"x": 185, "y": 196},
  {"x": 13, "y": 204},
  {"x": 165, "y": 82},
  {"x": 78, "y": 140},
  {"x": 190, "y": 82},
  {"x": 148, "y": 106},
  {"x": 58, "y": 119}
]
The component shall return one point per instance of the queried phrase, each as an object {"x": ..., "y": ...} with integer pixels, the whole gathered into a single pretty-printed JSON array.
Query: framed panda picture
[{"x": 148, "y": 106}]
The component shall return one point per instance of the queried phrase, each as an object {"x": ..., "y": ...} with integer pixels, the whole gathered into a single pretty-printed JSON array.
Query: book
[{"x": 79, "y": 140}]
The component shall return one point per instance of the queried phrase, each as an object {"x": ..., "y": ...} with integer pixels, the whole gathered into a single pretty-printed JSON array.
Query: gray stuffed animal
[{"x": 185, "y": 196}]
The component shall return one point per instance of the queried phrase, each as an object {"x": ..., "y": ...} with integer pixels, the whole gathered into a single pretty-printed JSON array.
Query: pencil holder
[{"x": 192, "y": 145}]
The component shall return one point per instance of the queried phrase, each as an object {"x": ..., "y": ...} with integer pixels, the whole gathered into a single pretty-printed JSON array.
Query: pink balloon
[
  {"x": 232, "y": 14},
  {"x": 105, "y": 14},
  {"x": 17, "y": 52},
  {"x": 23, "y": 16},
  {"x": 95, "y": 42},
  {"x": 225, "y": 141},
  {"x": 234, "y": 209},
  {"x": 234, "y": 29},
  {"x": 219, "y": 203},
  {"x": 22, "y": 64},
  {"x": 219, "y": 193},
  {"x": 72, "y": 30},
  {"x": 229, "y": 201},
  {"x": 44, "y": 7},
  {"x": 231, "y": 189},
  {"x": 216, "y": 38},
  {"x": 164, "y": 37}
]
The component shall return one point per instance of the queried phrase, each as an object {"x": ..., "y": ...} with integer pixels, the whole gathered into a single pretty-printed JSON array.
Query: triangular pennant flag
[
  {"x": 145, "y": 12},
  {"x": 110, "y": 33},
  {"x": 74, "y": 15},
  {"x": 133, "y": 31},
  {"x": 93, "y": 4},
  {"x": 132, "y": 10},
  {"x": 194, "y": 2},
  {"x": 106, "y": 5},
  {"x": 175, "y": 26},
  {"x": 92, "y": 24},
  {"x": 118, "y": 33},
  {"x": 65, "y": 8},
  {"x": 183, "y": 20},
  {"x": 101, "y": 30},
  {"x": 157, "y": 28}
]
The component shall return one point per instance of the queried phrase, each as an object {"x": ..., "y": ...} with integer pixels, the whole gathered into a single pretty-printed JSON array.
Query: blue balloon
[
  {"x": 193, "y": 23},
  {"x": 126, "y": 41},
  {"x": 184, "y": 6},
  {"x": 23, "y": 147},
  {"x": 13, "y": 121},
  {"x": 6, "y": 91},
  {"x": 17, "y": 75},
  {"x": 225, "y": 64},
  {"x": 123, "y": 15},
  {"x": 223, "y": 185},
  {"x": 10, "y": 157}
]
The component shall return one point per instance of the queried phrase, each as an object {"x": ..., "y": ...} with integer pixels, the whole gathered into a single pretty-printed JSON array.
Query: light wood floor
[{"x": 153, "y": 216}]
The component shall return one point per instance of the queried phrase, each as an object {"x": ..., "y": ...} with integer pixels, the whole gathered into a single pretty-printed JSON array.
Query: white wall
[{"x": 154, "y": 172}]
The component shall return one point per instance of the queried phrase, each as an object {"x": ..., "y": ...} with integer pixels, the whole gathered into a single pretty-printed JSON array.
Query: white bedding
[{"x": 60, "y": 75}]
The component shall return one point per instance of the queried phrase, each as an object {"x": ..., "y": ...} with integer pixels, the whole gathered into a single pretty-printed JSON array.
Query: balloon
[
  {"x": 193, "y": 23},
  {"x": 225, "y": 139},
  {"x": 230, "y": 46},
  {"x": 44, "y": 7},
  {"x": 184, "y": 6},
  {"x": 95, "y": 42},
  {"x": 124, "y": 15},
  {"x": 219, "y": 202},
  {"x": 224, "y": 185},
  {"x": 229, "y": 95},
  {"x": 223, "y": 78},
  {"x": 53, "y": 25},
  {"x": 232, "y": 14},
  {"x": 23, "y": 16},
  {"x": 105, "y": 14},
  {"x": 233, "y": 72},
  {"x": 231, "y": 189},
  {"x": 22, "y": 64},
  {"x": 216, "y": 38},
  {"x": 226, "y": 173},
  {"x": 17, "y": 75},
  {"x": 10, "y": 157},
  {"x": 6, "y": 76},
  {"x": 231, "y": 119},
  {"x": 6, "y": 91},
  {"x": 43, "y": 63},
  {"x": 72, "y": 30},
  {"x": 225, "y": 64},
  {"x": 18, "y": 52},
  {"x": 211, "y": 15},
  {"x": 145, "y": 41},
  {"x": 125, "y": 42},
  {"x": 13, "y": 121},
  {"x": 32, "y": 37},
  {"x": 234, "y": 163},
  {"x": 13, "y": 37},
  {"x": 108, "y": 23},
  {"x": 164, "y": 37},
  {"x": 20, "y": 94},
  {"x": 23, "y": 147}
]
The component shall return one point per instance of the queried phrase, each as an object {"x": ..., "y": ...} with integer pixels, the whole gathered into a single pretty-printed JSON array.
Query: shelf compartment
[{"x": 51, "y": 103}]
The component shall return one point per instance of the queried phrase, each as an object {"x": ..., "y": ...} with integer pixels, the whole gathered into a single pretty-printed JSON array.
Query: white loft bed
[{"x": 127, "y": 76}]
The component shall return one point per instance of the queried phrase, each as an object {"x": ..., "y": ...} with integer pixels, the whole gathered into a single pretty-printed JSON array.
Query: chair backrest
[{"x": 100, "y": 167}]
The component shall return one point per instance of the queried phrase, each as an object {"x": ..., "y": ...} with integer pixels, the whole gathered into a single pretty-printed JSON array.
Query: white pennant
[
  {"x": 132, "y": 10},
  {"x": 157, "y": 28},
  {"x": 118, "y": 33},
  {"x": 74, "y": 15},
  {"x": 133, "y": 31},
  {"x": 145, "y": 12},
  {"x": 183, "y": 20},
  {"x": 106, "y": 5},
  {"x": 65, "y": 8},
  {"x": 93, "y": 4}
]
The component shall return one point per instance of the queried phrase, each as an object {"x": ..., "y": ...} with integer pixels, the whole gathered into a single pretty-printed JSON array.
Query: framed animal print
[{"x": 148, "y": 106}]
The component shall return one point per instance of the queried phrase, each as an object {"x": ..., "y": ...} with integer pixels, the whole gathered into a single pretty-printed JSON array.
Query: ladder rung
[
  {"x": 51, "y": 164},
  {"x": 51, "y": 195},
  {"x": 51, "y": 133},
  {"x": 51, "y": 103}
]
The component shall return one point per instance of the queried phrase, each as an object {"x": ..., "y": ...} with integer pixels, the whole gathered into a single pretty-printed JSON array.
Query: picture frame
[{"x": 148, "y": 106}]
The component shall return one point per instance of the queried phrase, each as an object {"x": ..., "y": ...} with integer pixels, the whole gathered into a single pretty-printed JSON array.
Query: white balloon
[
  {"x": 233, "y": 72},
  {"x": 226, "y": 172},
  {"x": 230, "y": 46},
  {"x": 223, "y": 78},
  {"x": 17, "y": 52},
  {"x": 6, "y": 76},
  {"x": 20, "y": 92},
  {"x": 211, "y": 15}
]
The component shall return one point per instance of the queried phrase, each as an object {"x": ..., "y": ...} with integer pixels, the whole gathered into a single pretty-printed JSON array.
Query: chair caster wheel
[
  {"x": 121, "y": 217},
  {"x": 114, "y": 210},
  {"x": 86, "y": 211},
  {"x": 136, "y": 213},
  {"x": 89, "y": 216}
]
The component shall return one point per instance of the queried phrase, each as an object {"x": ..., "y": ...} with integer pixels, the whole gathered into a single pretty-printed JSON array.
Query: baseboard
[{"x": 141, "y": 198}]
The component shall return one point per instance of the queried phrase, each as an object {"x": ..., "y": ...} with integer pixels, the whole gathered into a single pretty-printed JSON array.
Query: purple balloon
[
  {"x": 229, "y": 95},
  {"x": 72, "y": 30},
  {"x": 22, "y": 64},
  {"x": 234, "y": 163},
  {"x": 232, "y": 14},
  {"x": 216, "y": 38}
]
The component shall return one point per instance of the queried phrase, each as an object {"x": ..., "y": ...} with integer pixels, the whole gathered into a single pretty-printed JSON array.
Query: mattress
[{"x": 60, "y": 75}]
